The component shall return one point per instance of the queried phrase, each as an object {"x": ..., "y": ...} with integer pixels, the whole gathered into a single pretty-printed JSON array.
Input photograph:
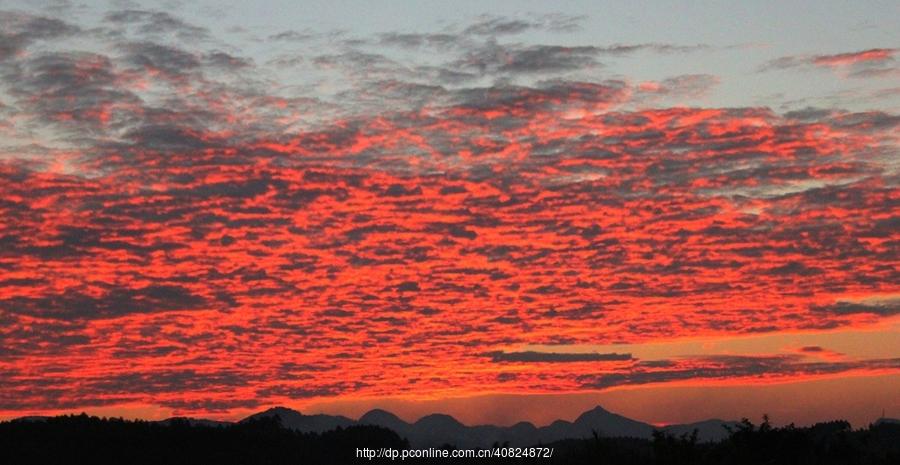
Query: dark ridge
[{"x": 264, "y": 440}]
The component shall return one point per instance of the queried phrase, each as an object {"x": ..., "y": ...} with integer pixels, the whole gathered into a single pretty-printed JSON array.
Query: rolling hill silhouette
[
  {"x": 297, "y": 421},
  {"x": 439, "y": 429}
]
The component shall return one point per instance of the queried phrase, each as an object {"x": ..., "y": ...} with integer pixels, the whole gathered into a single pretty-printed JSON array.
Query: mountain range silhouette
[
  {"x": 437, "y": 429},
  {"x": 284, "y": 436}
]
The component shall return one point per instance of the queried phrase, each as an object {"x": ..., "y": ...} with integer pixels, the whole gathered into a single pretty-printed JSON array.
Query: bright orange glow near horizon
[
  {"x": 185, "y": 231},
  {"x": 860, "y": 398}
]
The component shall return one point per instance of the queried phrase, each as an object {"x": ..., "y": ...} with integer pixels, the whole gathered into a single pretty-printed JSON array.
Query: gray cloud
[
  {"x": 114, "y": 303},
  {"x": 19, "y": 30},
  {"x": 533, "y": 356},
  {"x": 494, "y": 58},
  {"x": 496, "y": 25},
  {"x": 729, "y": 366},
  {"x": 157, "y": 23},
  {"x": 415, "y": 40},
  {"x": 883, "y": 308},
  {"x": 68, "y": 89},
  {"x": 153, "y": 57},
  {"x": 292, "y": 36}
]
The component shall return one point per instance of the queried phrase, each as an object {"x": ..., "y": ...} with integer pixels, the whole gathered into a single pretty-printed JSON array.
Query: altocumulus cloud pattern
[{"x": 190, "y": 223}]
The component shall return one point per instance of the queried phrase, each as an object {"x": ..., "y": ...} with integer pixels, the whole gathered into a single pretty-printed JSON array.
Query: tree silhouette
[{"x": 77, "y": 439}]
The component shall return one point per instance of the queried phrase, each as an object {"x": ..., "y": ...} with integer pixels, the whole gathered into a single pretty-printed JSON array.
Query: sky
[{"x": 503, "y": 211}]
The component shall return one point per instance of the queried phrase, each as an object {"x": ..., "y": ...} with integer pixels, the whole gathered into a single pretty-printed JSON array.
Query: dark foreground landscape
[{"x": 264, "y": 439}]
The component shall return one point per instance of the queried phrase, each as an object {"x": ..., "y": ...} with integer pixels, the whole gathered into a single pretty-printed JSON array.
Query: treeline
[
  {"x": 826, "y": 443},
  {"x": 81, "y": 439}
]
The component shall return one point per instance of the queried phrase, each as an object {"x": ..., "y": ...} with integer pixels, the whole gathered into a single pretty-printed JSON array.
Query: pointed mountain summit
[{"x": 606, "y": 423}]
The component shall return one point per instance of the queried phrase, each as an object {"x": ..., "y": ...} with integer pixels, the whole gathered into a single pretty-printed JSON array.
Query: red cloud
[
  {"x": 259, "y": 279},
  {"x": 205, "y": 244},
  {"x": 852, "y": 58}
]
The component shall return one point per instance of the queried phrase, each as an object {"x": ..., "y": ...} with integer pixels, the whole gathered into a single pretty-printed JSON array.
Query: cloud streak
[
  {"x": 556, "y": 357},
  {"x": 871, "y": 63}
]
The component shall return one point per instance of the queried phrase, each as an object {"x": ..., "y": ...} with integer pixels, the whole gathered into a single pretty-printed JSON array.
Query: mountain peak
[
  {"x": 598, "y": 409},
  {"x": 286, "y": 415},
  {"x": 594, "y": 413},
  {"x": 383, "y": 418},
  {"x": 439, "y": 419},
  {"x": 377, "y": 412},
  {"x": 295, "y": 420},
  {"x": 279, "y": 410},
  {"x": 438, "y": 428},
  {"x": 379, "y": 417},
  {"x": 611, "y": 424}
]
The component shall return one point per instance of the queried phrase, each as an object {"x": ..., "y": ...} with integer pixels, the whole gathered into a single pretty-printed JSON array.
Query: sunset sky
[{"x": 500, "y": 210}]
